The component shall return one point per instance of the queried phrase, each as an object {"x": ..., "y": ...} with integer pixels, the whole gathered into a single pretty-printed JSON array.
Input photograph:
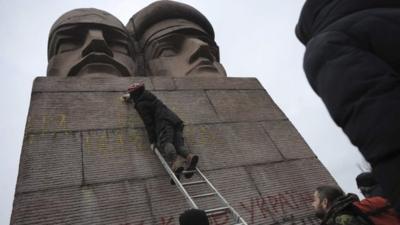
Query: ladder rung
[
  {"x": 204, "y": 195},
  {"x": 216, "y": 210},
  {"x": 194, "y": 182},
  {"x": 189, "y": 171},
  {"x": 210, "y": 212},
  {"x": 217, "y": 213}
]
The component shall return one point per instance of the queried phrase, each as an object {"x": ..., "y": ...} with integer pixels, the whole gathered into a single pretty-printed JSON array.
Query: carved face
[
  {"x": 181, "y": 55},
  {"x": 90, "y": 50}
]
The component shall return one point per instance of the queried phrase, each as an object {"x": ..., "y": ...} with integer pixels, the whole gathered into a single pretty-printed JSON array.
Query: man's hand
[
  {"x": 152, "y": 147},
  {"x": 125, "y": 97}
]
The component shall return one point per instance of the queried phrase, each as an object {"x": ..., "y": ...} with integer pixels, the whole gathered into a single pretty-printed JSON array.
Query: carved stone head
[
  {"x": 89, "y": 42},
  {"x": 175, "y": 40}
]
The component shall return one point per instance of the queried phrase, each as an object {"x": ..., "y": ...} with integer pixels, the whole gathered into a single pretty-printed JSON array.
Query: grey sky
[{"x": 256, "y": 39}]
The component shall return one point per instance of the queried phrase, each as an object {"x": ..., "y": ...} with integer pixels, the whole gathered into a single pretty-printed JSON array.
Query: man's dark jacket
[
  {"x": 352, "y": 62},
  {"x": 154, "y": 113}
]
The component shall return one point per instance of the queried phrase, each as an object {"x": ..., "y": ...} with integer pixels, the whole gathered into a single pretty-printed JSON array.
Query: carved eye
[
  {"x": 164, "y": 50},
  {"x": 68, "y": 44},
  {"x": 116, "y": 41},
  {"x": 167, "y": 52},
  {"x": 167, "y": 46},
  {"x": 119, "y": 47}
]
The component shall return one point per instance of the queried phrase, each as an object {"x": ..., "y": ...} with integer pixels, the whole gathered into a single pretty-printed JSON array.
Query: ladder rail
[
  {"x": 175, "y": 179},
  {"x": 237, "y": 217}
]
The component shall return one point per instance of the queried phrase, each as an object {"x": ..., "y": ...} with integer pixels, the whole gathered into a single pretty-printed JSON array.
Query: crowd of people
[{"x": 334, "y": 207}]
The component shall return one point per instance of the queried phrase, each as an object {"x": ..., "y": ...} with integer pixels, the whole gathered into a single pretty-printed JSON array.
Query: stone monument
[
  {"x": 175, "y": 40},
  {"x": 86, "y": 159},
  {"x": 89, "y": 42}
]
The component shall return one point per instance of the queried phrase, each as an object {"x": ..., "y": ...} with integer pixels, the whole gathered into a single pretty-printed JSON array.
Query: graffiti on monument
[
  {"x": 105, "y": 140},
  {"x": 277, "y": 208}
]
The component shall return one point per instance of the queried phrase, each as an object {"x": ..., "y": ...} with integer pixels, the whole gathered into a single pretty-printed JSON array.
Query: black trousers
[{"x": 168, "y": 133}]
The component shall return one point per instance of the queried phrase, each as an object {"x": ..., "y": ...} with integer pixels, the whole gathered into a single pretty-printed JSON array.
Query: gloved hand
[{"x": 152, "y": 147}]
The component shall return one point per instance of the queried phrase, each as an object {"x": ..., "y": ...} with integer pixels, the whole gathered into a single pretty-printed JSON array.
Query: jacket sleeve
[
  {"x": 360, "y": 91},
  {"x": 145, "y": 112}
]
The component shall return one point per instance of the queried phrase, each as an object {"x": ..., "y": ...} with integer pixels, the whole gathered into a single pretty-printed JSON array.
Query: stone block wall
[{"x": 86, "y": 158}]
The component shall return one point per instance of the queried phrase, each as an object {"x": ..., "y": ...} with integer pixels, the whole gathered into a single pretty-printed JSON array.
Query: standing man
[
  {"x": 375, "y": 205},
  {"x": 333, "y": 207},
  {"x": 352, "y": 62},
  {"x": 164, "y": 129}
]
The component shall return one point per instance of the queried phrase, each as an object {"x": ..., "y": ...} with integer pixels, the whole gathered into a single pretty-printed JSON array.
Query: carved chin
[
  {"x": 98, "y": 69},
  {"x": 204, "y": 70}
]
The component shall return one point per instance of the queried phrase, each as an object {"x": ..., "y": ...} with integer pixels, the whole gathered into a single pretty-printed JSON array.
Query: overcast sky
[{"x": 256, "y": 39}]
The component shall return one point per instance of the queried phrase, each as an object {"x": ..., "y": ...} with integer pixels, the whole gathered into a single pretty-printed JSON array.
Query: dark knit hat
[
  {"x": 366, "y": 180},
  {"x": 193, "y": 217}
]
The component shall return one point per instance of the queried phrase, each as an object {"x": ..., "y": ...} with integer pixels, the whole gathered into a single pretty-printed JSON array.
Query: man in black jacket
[
  {"x": 163, "y": 127},
  {"x": 352, "y": 62}
]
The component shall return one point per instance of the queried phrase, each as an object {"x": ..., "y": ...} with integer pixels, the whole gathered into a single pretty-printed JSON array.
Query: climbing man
[{"x": 164, "y": 129}]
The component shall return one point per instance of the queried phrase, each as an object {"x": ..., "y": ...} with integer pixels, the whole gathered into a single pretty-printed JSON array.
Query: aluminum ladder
[{"x": 226, "y": 208}]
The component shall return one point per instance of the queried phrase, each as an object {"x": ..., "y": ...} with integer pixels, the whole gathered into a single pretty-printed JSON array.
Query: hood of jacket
[
  {"x": 318, "y": 14},
  {"x": 373, "y": 203}
]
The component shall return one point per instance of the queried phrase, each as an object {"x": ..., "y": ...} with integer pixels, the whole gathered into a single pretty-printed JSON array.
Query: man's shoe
[
  {"x": 191, "y": 161},
  {"x": 177, "y": 168}
]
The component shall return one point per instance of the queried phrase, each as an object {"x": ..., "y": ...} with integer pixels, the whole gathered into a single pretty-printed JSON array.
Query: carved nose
[
  {"x": 202, "y": 50},
  {"x": 95, "y": 42}
]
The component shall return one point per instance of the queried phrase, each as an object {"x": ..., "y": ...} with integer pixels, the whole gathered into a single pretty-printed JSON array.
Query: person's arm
[{"x": 361, "y": 92}]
